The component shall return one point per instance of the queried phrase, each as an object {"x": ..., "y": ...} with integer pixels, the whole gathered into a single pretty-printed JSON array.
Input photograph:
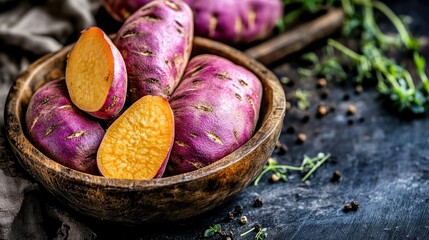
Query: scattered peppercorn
[
  {"x": 347, "y": 207},
  {"x": 358, "y": 89},
  {"x": 346, "y": 96},
  {"x": 322, "y": 111},
  {"x": 351, "y": 109},
  {"x": 324, "y": 94},
  {"x": 239, "y": 209},
  {"x": 274, "y": 178},
  {"x": 301, "y": 138},
  {"x": 321, "y": 82},
  {"x": 336, "y": 176},
  {"x": 361, "y": 119},
  {"x": 258, "y": 202},
  {"x": 332, "y": 107},
  {"x": 257, "y": 227},
  {"x": 355, "y": 205},
  {"x": 282, "y": 148},
  {"x": 291, "y": 129},
  {"x": 243, "y": 219},
  {"x": 227, "y": 235},
  {"x": 305, "y": 118},
  {"x": 230, "y": 216},
  {"x": 350, "y": 121},
  {"x": 352, "y": 206}
]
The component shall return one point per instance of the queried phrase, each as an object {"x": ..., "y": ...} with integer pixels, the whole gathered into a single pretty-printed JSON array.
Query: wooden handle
[{"x": 298, "y": 38}]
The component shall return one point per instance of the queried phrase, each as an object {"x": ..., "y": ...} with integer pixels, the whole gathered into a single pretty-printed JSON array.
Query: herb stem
[
  {"x": 261, "y": 174},
  {"x": 320, "y": 162},
  {"x": 403, "y": 33},
  {"x": 247, "y": 232},
  {"x": 307, "y": 163},
  {"x": 410, "y": 82},
  {"x": 420, "y": 64},
  {"x": 347, "y": 51},
  {"x": 370, "y": 21},
  {"x": 348, "y": 7}
]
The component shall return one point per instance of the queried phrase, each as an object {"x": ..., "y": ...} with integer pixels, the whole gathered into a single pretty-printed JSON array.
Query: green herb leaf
[
  {"x": 212, "y": 230},
  {"x": 262, "y": 234},
  {"x": 308, "y": 164},
  {"x": 302, "y": 99}
]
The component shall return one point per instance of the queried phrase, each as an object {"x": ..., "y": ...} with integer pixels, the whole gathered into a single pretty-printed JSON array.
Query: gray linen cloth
[{"x": 28, "y": 30}]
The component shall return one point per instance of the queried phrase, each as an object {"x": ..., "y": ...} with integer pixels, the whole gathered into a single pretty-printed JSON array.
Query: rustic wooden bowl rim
[{"x": 274, "y": 114}]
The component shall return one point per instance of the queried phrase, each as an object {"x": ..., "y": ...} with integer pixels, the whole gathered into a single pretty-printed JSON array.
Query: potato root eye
[{"x": 137, "y": 145}]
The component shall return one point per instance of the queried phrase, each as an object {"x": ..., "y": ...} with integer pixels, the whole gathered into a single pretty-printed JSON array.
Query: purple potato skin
[
  {"x": 233, "y": 22},
  {"x": 122, "y": 9},
  {"x": 156, "y": 43},
  {"x": 216, "y": 108},
  {"x": 61, "y": 131},
  {"x": 228, "y": 21}
]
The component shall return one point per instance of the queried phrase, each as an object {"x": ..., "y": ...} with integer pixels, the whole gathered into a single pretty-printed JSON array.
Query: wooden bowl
[{"x": 157, "y": 200}]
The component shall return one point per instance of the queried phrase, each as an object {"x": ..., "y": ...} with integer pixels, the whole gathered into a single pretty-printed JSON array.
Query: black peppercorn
[
  {"x": 347, "y": 207},
  {"x": 336, "y": 176},
  {"x": 258, "y": 202},
  {"x": 257, "y": 227},
  {"x": 355, "y": 205},
  {"x": 239, "y": 209},
  {"x": 230, "y": 216}
]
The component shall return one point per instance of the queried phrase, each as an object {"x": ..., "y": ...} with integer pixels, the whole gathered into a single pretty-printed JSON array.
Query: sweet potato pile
[
  {"x": 161, "y": 110},
  {"x": 229, "y": 21}
]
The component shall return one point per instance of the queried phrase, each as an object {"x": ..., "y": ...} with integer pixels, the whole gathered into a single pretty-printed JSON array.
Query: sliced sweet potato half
[
  {"x": 137, "y": 145},
  {"x": 96, "y": 75}
]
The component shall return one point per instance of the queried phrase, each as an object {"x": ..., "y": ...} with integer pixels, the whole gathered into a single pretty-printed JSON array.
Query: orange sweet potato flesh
[
  {"x": 137, "y": 145},
  {"x": 96, "y": 75}
]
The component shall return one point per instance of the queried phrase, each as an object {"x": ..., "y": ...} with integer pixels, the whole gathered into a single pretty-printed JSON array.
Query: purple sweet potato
[
  {"x": 156, "y": 43},
  {"x": 60, "y": 130},
  {"x": 230, "y": 21},
  {"x": 122, "y": 9},
  {"x": 235, "y": 21},
  {"x": 216, "y": 108},
  {"x": 96, "y": 76}
]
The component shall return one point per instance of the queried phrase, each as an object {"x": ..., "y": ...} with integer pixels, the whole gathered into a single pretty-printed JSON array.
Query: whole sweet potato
[
  {"x": 216, "y": 108},
  {"x": 156, "y": 43},
  {"x": 230, "y": 21},
  {"x": 60, "y": 130},
  {"x": 122, "y": 9},
  {"x": 235, "y": 21}
]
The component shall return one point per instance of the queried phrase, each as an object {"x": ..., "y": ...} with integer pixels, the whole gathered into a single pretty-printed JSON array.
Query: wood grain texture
[
  {"x": 157, "y": 200},
  {"x": 297, "y": 39}
]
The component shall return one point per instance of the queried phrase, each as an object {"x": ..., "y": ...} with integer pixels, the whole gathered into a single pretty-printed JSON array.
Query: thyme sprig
[
  {"x": 310, "y": 164},
  {"x": 261, "y": 233},
  {"x": 372, "y": 61}
]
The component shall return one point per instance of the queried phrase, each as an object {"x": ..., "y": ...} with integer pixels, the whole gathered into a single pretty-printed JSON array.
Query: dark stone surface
[{"x": 383, "y": 159}]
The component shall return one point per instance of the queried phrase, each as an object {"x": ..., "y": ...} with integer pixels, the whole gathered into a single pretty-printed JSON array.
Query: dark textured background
[{"x": 383, "y": 158}]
